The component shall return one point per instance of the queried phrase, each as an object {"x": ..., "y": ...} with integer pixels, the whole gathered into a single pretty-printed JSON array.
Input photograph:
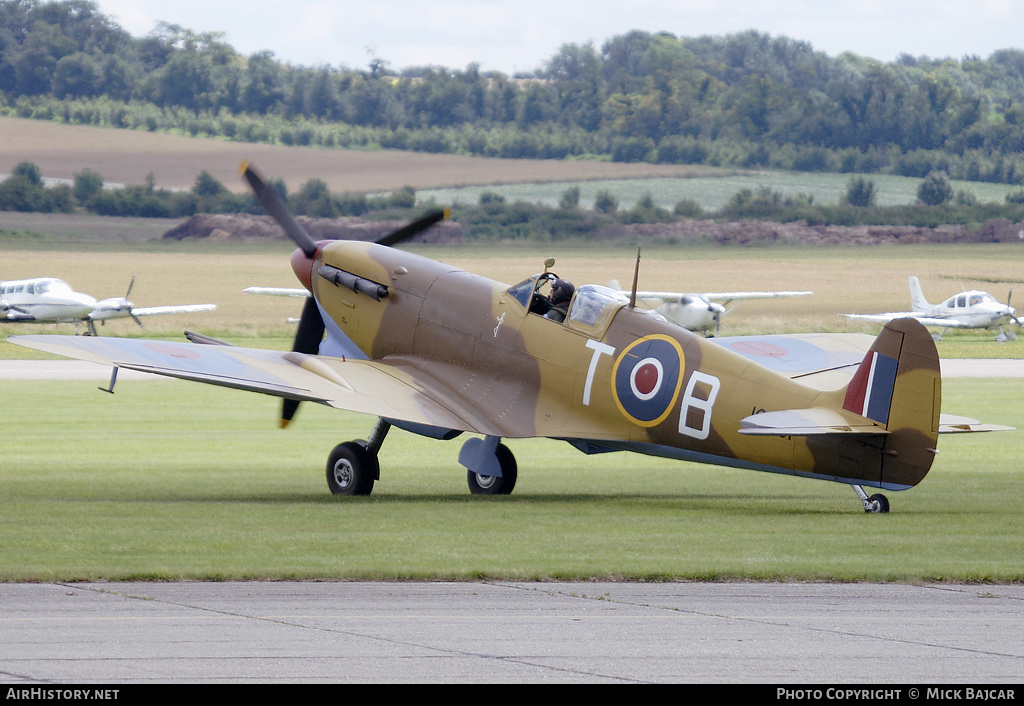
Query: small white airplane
[
  {"x": 700, "y": 313},
  {"x": 973, "y": 309},
  {"x": 51, "y": 300}
]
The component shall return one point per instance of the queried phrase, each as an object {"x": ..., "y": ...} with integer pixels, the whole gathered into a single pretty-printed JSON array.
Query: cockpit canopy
[
  {"x": 36, "y": 286},
  {"x": 965, "y": 299},
  {"x": 591, "y": 309}
]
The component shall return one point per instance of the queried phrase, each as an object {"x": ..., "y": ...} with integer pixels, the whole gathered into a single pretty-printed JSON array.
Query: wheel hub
[
  {"x": 343, "y": 473},
  {"x": 486, "y": 481}
]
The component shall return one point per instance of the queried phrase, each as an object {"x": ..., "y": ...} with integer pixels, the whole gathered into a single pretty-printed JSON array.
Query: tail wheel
[
  {"x": 351, "y": 469},
  {"x": 495, "y": 485}
]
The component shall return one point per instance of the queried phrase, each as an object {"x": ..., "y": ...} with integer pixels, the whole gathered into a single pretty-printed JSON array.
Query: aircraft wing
[
  {"x": 823, "y": 360},
  {"x": 279, "y": 291},
  {"x": 402, "y": 391},
  {"x": 182, "y": 309},
  {"x": 730, "y": 296},
  {"x": 670, "y": 297},
  {"x": 926, "y": 320}
]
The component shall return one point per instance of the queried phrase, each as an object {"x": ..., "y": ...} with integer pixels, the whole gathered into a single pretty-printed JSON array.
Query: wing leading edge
[
  {"x": 356, "y": 385},
  {"x": 926, "y": 320}
]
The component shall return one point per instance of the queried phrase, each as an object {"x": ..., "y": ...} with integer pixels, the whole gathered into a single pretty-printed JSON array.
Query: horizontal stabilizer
[
  {"x": 952, "y": 424},
  {"x": 807, "y": 422}
]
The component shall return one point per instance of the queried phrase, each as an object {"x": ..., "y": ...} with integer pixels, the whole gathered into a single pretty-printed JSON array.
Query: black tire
[
  {"x": 351, "y": 469},
  {"x": 494, "y": 485},
  {"x": 882, "y": 501}
]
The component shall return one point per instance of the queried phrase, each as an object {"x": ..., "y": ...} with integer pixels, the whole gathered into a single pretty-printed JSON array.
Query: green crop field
[{"x": 711, "y": 192}]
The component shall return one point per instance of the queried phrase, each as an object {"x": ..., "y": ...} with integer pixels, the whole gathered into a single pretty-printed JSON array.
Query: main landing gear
[
  {"x": 352, "y": 467},
  {"x": 876, "y": 503}
]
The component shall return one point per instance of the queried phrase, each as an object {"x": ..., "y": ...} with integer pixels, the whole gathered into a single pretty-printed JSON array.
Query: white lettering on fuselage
[
  {"x": 701, "y": 404},
  {"x": 599, "y": 350},
  {"x": 700, "y": 395}
]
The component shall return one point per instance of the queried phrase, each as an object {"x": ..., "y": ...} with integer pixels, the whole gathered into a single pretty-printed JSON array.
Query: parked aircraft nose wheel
[
  {"x": 351, "y": 469},
  {"x": 877, "y": 503},
  {"x": 493, "y": 485}
]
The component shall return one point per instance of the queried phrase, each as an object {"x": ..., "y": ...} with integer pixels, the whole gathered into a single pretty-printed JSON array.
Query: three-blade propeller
[{"x": 311, "y": 323}]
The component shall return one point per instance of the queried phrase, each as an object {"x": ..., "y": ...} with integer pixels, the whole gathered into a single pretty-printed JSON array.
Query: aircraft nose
[{"x": 302, "y": 266}]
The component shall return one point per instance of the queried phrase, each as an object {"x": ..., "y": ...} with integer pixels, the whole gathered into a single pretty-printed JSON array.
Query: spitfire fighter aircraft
[
  {"x": 438, "y": 351},
  {"x": 700, "y": 313},
  {"x": 51, "y": 300},
  {"x": 973, "y": 309}
]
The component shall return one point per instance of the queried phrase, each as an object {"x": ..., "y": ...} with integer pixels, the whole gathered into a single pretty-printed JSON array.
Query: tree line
[
  {"x": 743, "y": 100},
  {"x": 494, "y": 218}
]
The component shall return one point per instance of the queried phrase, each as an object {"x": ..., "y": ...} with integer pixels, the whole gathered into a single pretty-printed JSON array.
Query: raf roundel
[{"x": 646, "y": 379}]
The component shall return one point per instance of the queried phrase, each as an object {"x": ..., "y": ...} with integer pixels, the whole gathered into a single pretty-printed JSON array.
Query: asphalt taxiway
[{"x": 508, "y": 632}]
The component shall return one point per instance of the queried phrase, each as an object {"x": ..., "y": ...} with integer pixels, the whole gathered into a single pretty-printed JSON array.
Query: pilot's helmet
[{"x": 562, "y": 290}]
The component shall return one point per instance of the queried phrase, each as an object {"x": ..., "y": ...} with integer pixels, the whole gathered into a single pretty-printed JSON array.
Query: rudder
[
  {"x": 898, "y": 385},
  {"x": 917, "y": 299}
]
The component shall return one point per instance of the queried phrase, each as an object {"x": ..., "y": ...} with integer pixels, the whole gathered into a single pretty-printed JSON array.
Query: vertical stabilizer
[
  {"x": 898, "y": 385},
  {"x": 917, "y": 299}
]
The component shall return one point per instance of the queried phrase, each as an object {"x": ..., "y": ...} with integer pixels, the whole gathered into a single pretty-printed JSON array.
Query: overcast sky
[{"x": 521, "y": 35}]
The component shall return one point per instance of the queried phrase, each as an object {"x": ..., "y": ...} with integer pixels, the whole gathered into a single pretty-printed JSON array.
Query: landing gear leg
[
  {"x": 1004, "y": 335},
  {"x": 352, "y": 466},
  {"x": 876, "y": 503}
]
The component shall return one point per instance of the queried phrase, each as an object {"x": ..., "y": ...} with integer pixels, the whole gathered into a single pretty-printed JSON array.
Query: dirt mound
[
  {"x": 243, "y": 226},
  {"x": 249, "y": 227}
]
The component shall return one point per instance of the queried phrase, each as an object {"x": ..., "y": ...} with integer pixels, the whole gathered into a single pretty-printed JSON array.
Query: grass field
[{"x": 171, "y": 480}]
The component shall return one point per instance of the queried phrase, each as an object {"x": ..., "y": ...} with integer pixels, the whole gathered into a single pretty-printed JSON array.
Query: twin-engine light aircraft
[
  {"x": 700, "y": 313},
  {"x": 973, "y": 309},
  {"x": 51, "y": 300},
  {"x": 438, "y": 351}
]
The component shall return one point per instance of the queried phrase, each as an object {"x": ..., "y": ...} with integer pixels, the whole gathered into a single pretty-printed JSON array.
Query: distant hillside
[{"x": 127, "y": 157}]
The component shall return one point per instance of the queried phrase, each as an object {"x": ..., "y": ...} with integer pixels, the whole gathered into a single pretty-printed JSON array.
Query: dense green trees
[{"x": 747, "y": 100}]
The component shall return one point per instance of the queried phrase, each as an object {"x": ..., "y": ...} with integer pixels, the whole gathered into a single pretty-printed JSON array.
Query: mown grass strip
[{"x": 170, "y": 480}]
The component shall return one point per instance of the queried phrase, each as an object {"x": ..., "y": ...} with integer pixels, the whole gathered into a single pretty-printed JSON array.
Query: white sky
[{"x": 520, "y": 35}]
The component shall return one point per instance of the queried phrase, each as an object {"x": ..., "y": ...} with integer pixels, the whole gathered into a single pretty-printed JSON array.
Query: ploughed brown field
[{"x": 128, "y": 156}]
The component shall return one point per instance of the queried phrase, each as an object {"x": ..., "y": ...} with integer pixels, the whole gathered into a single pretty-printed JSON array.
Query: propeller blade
[
  {"x": 414, "y": 228},
  {"x": 307, "y": 340},
  {"x": 130, "y": 285},
  {"x": 275, "y": 206}
]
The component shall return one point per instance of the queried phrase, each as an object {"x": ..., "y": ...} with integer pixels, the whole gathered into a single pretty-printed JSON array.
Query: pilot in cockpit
[
  {"x": 561, "y": 293},
  {"x": 554, "y": 305}
]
